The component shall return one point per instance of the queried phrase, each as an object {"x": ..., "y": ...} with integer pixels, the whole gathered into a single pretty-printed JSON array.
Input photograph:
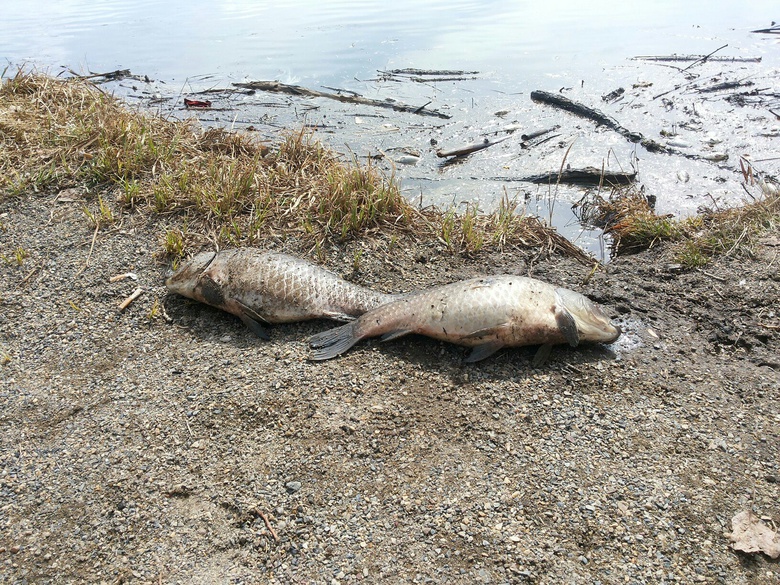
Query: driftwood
[
  {"x": 583, "y": 176},
  {"x": 774, "y": 30},
  {"x": 687, "y": 58},
  {"x": 433, "y": 72},
  {"x": 277, "y": 87},
  {"x": 597, "y": 116},
  {"x": 469, "y": 148},
  {"x": 117, "y": 75},
  {"x": 725, "y": 85},
  {"x": 427, "y": 75}
]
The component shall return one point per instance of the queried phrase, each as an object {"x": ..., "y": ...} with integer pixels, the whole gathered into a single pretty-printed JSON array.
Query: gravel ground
[{"x": 151, "y": 446}]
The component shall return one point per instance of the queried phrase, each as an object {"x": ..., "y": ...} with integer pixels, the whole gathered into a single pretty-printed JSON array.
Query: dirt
[{"x": 167, "y": 444}]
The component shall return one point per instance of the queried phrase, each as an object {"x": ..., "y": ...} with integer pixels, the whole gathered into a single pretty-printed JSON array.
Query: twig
[
  {"x": 469, "y": 148},
  {"x": 705, "y": 273},
  {"x": 91, "y": 247},
  {"x": 267, "y": 524},
  {"x": 29, "y": 274},
  {"x": 704, "y": 59},
  {"x": 126, "y": 303},
  {"x": 538, "y": 133}
]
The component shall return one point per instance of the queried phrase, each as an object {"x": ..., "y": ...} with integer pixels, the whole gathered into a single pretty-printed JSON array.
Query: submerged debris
[{"x": 297, "y": 90}]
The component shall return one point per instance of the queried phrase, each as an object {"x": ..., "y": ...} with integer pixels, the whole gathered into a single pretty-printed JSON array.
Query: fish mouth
[
  {"x": 592, "y": 323},
  {"x": 189, "y": 272}
]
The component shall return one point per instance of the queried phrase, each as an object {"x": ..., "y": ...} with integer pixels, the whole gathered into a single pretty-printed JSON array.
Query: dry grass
[
  {"x": 628, "y": 218},
  {"x": 58, "y": 133}
]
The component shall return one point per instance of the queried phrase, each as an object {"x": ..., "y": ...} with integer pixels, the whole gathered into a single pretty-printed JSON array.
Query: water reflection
[{"x": 331, "y": 42}]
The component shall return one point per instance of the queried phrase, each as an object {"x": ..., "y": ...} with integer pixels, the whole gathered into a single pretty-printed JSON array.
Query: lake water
[{"x": 584, "y": 48}]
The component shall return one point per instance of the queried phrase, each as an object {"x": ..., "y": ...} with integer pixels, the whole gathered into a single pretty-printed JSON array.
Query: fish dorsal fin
[
  {"x": 480, "y": 352},
  {"x": 254, "y": 321},
  {"x": 567, "y": 325}
]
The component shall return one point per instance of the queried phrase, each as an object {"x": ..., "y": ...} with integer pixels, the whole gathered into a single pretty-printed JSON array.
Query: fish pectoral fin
[
  {"x": 486, "y": 332},
  {"x": 567, "y": 325},
  {"x": 542, "y": 355},
  {"x": 394, "y": 334},
  {"x": 480, "y": 352},
  {"x": 253, "y": 321},
  {"x": 255, "y": 327}
]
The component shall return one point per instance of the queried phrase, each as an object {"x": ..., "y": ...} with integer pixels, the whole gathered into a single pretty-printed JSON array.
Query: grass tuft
[{"x": 627, "y": 216}]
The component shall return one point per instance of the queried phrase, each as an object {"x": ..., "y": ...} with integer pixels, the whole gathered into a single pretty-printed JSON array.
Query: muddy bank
[{"x": 166, "y": 443}]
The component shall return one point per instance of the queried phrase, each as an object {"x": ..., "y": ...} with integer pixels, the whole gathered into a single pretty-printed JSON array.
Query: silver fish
[
  {"x": 269, "y": 287},
  {"x": 484, "y": 313}
]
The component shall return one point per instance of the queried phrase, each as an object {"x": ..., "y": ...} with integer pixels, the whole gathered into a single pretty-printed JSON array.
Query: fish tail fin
[{"x": 333, "y": 342}]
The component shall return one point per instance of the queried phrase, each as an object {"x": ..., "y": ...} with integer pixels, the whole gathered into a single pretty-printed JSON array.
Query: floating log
[
  {"x": 583, "y": 176},
  {"x": 277, "y": 87},
  {"x": 469, "y": 148},
  {"x": 597, "y": 116}
]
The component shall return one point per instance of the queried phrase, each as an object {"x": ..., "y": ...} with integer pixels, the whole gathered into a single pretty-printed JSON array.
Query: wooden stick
[
  {"x": 705, "y": 273},
  {"x": 277, "y": 87},
  {"x": 469, "y": 148},
  {"x": 704, "y": 59},
  {"x": 538, "y": 133},
  {"x": 126, "y": 303},
  {"x": 268, "y": 524},
  {"x": 29, "y": 274}
]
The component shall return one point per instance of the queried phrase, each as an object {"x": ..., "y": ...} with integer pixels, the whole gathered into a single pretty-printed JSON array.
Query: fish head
[
  {"x": 193, "y": 279},
  {"x": 592, "y": 323}
]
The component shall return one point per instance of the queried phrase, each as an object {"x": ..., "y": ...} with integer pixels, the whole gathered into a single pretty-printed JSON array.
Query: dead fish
[
  {"x": 269, "y": 287},
  {"x": 484, "y": 313}
]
